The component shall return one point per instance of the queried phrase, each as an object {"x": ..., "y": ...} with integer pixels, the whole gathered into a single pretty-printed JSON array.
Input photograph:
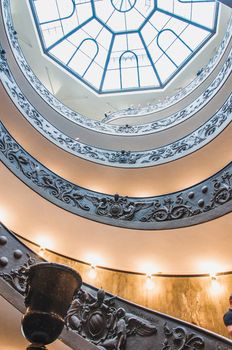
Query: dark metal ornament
[
  {"x": 3, "y": 240},
  {"x": 36, "y": 347},
  {"x": 18, "y": 254},
  {"x": 49, "y": 292},
  {"x": 3, "y": 261}
]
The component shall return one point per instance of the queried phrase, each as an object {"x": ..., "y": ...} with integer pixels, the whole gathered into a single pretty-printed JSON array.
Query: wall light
[
  {"x": 213, "y": 275},
  {"x": 149, "y": 282},
  {"x": 216, "y": 288},
  {"x": 44, "y": 242},
  {"x": 4, "y": 215},
  {"x": 42, "y": 251},
  {"x": 93, "y": 259},
  {"x": 92, "y": 272}
]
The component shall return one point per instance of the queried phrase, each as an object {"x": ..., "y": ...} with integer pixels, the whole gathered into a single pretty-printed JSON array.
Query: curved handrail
[
  {"x": 177, "y": 149},
  {"x": 208, "y": 199},
  {"x": 119, "y": 322}
]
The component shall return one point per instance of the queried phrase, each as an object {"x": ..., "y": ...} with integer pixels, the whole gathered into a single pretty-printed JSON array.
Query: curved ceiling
[
  {"x": 115, "y": 46},
  {"x": 63, "y": 86}
]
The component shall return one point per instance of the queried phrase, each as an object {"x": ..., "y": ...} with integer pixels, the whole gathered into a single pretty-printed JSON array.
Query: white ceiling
[{"x": 76, "y": 95}]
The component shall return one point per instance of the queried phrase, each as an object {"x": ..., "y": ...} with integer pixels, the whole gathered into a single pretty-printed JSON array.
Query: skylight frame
[{"x": 160, "y": 82}]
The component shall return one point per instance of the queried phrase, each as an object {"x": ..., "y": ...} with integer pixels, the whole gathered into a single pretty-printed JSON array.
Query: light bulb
[
  {"x": 149, "y": 282},
  {"x": 92, "y": 272}
]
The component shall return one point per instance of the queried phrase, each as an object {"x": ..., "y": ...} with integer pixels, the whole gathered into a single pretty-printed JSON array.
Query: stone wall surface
[{"x": 199, "y": 300}]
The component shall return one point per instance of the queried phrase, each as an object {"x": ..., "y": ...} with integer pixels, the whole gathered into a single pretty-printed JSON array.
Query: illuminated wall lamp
[
  {"x": 42, "y": 251},
  {"x": 149, "y": 282},
  {"x": 92, "y": 272},
  {"x": 213, "y": 276}
]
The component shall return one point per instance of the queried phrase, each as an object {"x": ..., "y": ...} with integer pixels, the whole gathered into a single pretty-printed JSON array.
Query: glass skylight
[{"x": 124, "y": 45}]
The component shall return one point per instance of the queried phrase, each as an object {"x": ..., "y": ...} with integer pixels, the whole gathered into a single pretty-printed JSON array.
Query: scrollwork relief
[
  {"x": 117, "y": 207},
  {"x": 169, "y": 210},
  {"x": 105, "y": 325},
  {"x": 222, "y": 190},
  {"x": 174, "y": 208},
  {"x": 122, "y": 158},
  {"x": 17, "y": 277},
  {"x": 178, "y": 338}
]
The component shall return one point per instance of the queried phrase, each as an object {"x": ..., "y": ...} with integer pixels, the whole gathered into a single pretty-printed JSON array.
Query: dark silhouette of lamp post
[{"x": 50, "y": 289}]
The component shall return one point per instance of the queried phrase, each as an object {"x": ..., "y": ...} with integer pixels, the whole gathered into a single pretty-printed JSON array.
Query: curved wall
[
  {"x": 197, "y": 299},
  {"x": 178, "y": 251}
]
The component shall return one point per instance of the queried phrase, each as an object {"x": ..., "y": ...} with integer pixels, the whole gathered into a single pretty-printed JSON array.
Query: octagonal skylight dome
[{"x": 124, "y": 45}]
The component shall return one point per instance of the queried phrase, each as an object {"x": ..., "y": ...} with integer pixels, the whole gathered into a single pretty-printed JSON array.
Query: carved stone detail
[
  {"x": 123, "y": 158},
  {"x": 160, "y": 155},
  {"x": 122, "y": 211},
  {"x": 135, "y": 111},
  {"x": 179, "y": 339},
  {"x": 101, "y": 322},
  {"x": 111, "y": 323},
  {"x": 117, "y": 207},
  {"x": 17, "y": 277},
  {"x": 168, "y": 210}
]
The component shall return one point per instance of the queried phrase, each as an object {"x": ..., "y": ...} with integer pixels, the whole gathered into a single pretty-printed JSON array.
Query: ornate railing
[
  {"x": 97, "y": 320},
  {"x": 15, "y": 259},
  {"x": 99, "y": 126},
  {"x": 169, "y": 152},
  {"x": 208, "y": 199}
]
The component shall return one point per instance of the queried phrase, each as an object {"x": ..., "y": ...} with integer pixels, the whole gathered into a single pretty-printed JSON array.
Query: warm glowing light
[
  {"x": 210, "y": 267},
  {"x": 4, "y": 215},
  {"x": 42, "y": 251},
  {"x": 149, "y": 282},
  {"x": 93, "y": 259},
  {"x": 92, "y": 272},
  {"x": 213, "y": 275},
  {"x": 44, "y": 242},
  {"x": 216, "y": 288},
  {"x": 147, "y": 268}
]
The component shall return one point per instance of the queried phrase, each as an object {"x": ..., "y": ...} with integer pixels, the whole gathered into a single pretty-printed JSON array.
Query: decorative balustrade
[
  {"x": 160, "y": 155},
  {"x": 211, "y": 198},
  {"x": 97, "y": 320}
]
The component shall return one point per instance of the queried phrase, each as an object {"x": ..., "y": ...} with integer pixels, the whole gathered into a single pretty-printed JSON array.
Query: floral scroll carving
[
  {"x": 175, "y": 209},
  {"x": 17, "y": 277},
  {"x": 117, "y": 207},
  {"x": 179, "y": 339}
]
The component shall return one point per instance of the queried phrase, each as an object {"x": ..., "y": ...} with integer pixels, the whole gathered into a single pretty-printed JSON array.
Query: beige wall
[{"x": 199, "y": 300}]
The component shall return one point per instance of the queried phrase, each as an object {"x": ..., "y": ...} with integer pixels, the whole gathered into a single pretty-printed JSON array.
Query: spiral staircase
[{"x": 134, "y": 183}]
